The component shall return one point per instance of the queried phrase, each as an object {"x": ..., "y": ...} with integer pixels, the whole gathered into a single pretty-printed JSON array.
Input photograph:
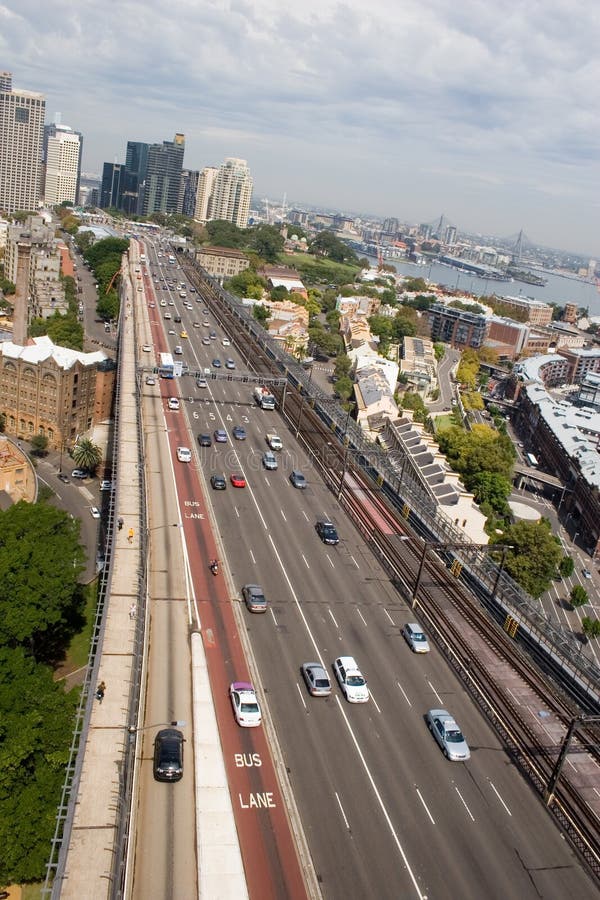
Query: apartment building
[
  {"x": 457, "y": 327},
  {"x": 418, "y": 363},
  {"x": 581, "y": 362},
  {"x": 231, "y": 193},
  {"x": 538, "y": 313},
  {"x": 62, "y": 169}
]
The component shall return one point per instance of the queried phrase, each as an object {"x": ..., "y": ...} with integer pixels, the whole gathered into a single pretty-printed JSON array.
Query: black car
[
  {"x": 168, "y": 755},
  {"x": 326, "y": 531},
  {"x": 218, "y": 482},
  {"x": 62, "y": 477},
  {"x": 216, "y": 363},
  {"x": 205, "y": 440},
  {"x": 177, "y": 318}
]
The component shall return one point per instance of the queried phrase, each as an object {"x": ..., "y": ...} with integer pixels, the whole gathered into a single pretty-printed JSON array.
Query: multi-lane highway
[{"x": 384, "y": 813}]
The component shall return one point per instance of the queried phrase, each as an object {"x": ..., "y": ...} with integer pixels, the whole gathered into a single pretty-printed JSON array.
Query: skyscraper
[
  {"x": 62, "y": 156},
  {"x": 21, "y": 134},
  {"x": 206, "y": 183},
  {"x": 111, "y": 192},
  {"x": 136, "y": 164},
  {"x": 232, "y": 192},
  {"x": 163, "y": 176},
  {"x": 188, "y": 190}
]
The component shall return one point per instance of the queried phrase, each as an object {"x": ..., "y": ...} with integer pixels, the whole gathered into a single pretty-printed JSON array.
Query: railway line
[{"x": 474, "y": 642}]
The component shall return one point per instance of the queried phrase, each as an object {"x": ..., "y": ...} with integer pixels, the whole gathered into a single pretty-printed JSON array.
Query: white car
[
  {"x": 163, "y": 302},
  {"x": 415, "y": 638},
  {"x": 94, "y": 512},
  {"x": 106, "y": 484},
  {"x": 226, "y": 342},
  {"x": 150, "y": 379},
  {"x": 147, "y": 348},
  {"x": 245, "y": 706},
  {"x": 350, "y": 678},
  {"x": 173, "y": 403},
  {"x": 184, "y": 454}
]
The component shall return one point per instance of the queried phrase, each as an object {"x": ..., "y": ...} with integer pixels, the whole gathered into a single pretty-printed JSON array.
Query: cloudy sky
[{"x": 485, "y": 112}]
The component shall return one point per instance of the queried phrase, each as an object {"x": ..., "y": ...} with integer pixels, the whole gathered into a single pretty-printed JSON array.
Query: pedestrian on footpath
[
  {"x": 132, "y": 611},
  {"x": 120, "y": 522},
  {"x": 100, "y": 691},
  {"x": 130, "y": 536}
]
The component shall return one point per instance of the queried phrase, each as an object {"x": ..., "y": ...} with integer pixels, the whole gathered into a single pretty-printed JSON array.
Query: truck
[
  {"x": 264, "y": 398},
  {"x": 274, "y": 441}
]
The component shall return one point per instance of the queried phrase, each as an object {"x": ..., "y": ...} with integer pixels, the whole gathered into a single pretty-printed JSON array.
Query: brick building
[{"x": 222, "y": 262}]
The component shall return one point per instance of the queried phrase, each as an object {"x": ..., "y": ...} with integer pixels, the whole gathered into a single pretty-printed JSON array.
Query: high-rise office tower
[
  {"x": 136, "y": 164},
  {"x": 232, "y": 192},
  {"x": 450, "y": 236},
  {"x": 62, "y": 163},
  {"x": 111, "y": 192},
  {"x": 206, "y": 183},
  {"x": 21, "y": 133},
  {"x": 163, "y": 176}
]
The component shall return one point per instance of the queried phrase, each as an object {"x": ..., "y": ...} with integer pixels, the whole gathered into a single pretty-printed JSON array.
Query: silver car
[
  {"x": 448, "y": 735},
  {"x": 254, "y": 598},
  {"x": 415, "y": 638},
  {"x": 317, "y": 679}
]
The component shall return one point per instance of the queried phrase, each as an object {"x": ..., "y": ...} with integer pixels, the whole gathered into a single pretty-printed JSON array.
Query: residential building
[
  {"x": 163, "y": 177},
  {"x": 538, "y": 313},
  {"x": 21, "y": 134},
  {"x": 359, "y": 305},
  {"x": 570, "y": 312},
  {"x": 589, "y": 392},
  {"x": 581, "y": 362},
  {"x": 188, "y": 191},
  {"x": 418, "y": 363},
  {"x": 507, "y": 337},
  {"x": 54, "y": 391},
  {"x": 232, "y": 193},
  {"x": 288, "y": 324},
  {"x": 280, "y": 276},
  {"x": 204, "y": 192},
  {"x": 62, "y": 164},
  {"x": 457, "y": 327},
  {"x": 374, "y": 399},
  {"x": 222, "y": 262}
]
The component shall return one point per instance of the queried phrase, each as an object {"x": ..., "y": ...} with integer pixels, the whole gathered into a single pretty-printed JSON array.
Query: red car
[{"x": 237, "y": 480}]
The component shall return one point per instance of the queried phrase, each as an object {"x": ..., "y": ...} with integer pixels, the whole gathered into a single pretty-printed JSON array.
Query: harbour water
[{"x": 558, "y": 289}]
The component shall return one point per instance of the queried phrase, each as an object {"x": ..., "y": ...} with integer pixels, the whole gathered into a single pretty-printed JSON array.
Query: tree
[
  {"x": 37, "y": 723},
  {"x": 415, "y": 285},
  {"x": 280, "y": 293},
  {"x": 84, "y": 240},
  {"x": 566, "y": 566},
  {"x": 261, "y": 313},
  {"x": 578, "y": 596},
  {"x": 534, "y": 556},
  {"x": 107, "y": 306},
  {"x": 267, "y": 241},
  {"x": 328, "y": 245},
  {"x": 39, "y": 444},
  {"x": 344, "y": 387},
  {"x": 591, "y": 627},
  {"x": 246, "y": 284},
  {"x": 491, "y": 489},
  {"x": 40, "y": 563},
  {"x": 439, "y": 350},
  {"x": 342, "y": 365},
  {"x": 225, "y": 234},
  {"x": 87, "y": 455}
]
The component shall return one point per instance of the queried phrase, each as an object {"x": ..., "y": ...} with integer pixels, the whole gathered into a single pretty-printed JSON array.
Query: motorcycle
[{"x": 214, "y": 567}]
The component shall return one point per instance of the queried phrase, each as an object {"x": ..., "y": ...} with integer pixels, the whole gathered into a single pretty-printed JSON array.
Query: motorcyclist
[{"x": 214, "y": 566}]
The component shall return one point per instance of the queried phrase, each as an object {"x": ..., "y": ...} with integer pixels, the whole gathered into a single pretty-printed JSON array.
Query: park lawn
[
  {"x": 441, "y": 423},
  {"x": 318, "y": 270}
]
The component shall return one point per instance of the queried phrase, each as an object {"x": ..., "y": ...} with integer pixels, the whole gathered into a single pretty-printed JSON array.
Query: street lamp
[{"x": 132, "y": 730}]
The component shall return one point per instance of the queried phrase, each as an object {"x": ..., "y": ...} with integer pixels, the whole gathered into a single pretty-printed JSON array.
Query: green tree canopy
[
  {"x": 536, "y": 554},
  {"x": 261, "y": 313},
  {"x": 267, "y": 241},
  {"x": 342, "y": 365},
  {"x": 578, "y": 596},
  {"x": 246, "y": 284},
  {"x": 481, "y": 450},
  {"x": 491, "y": 489},
  {"x": 64, "y": 330},
  {"x": 40, "y": 562},
  {"x": 328, "y": 245},
  {"x": 566, "y": 566},
  {"x": 87, "y": 455},
  {"x": 225, "y": 234},
  {"x": 344, "y": 387},
  {"x": 415, "y": 285}
]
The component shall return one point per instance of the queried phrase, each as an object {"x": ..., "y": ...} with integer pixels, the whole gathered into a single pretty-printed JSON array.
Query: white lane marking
[
  {"x": 252, "y": 557},
  {"x": 305, "y": 561},
  {"x": 330, "y": 562},
  {"x": 342, "y": 810},
  {"x": 297, "y": 602},
  {"x": 381, "y": 803},
  {"x": 283, "y": 515},
  {"x": 333, "y": 617},
  {"x": 305, "y": 516},
  {"x": 374, "y": 701},
  {"x": 237, "y": 512},
  {"x": 354, "y": 561},
  {"x": 301, "y": 695},
  {"x": 404, "y": 692},
  {"x": 273, "y": 614},
  {"x": 464, "y": 803},
  {"x": 362, "y": 617},
  {"x": 267, "y": 482},
  {"x": 517, "y": 701},
  {"x": 389, "y": 617},
  {"x": 425, "y": 807},
  {"x": 493, "y": 787},
  {"x": 435, "y": 692}
]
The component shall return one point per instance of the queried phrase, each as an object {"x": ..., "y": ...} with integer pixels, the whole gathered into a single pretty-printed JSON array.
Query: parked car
[
  {"x": 106, "y": 484},
  {"x": 168, "y": 755},
  {"x": 317, "y": 679},
  {"x": 254, "y": 598},
  {"x": 448, "y": 735},
  {"x": 94, "y": 512},
  {"x": 79, "y": 473},
  {"x": 62, "y": 477}
]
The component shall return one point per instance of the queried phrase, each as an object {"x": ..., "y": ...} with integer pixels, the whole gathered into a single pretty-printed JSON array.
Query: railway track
[{"x": 454, "y": 617}]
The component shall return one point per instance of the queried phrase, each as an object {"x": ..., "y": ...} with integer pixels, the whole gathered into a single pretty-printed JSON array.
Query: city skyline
[{"x": 407, "y": 112}]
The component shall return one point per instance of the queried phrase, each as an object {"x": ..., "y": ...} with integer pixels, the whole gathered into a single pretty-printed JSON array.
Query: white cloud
[{"x": 485, "y": 111}]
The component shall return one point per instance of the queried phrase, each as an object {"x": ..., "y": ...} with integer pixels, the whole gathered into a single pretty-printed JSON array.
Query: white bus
[{"x": 166, "y": 367}]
